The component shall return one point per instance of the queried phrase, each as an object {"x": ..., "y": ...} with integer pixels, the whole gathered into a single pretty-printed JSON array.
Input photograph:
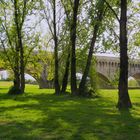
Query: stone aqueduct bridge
[{"x": 106, "y": 67}]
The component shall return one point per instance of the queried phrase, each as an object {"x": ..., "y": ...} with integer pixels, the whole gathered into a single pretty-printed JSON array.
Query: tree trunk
[
  {"x": 16, "y": 78},
  {"x": 82, "y": 85},
  {"x": 22, "y": 68},
  {"x": 56, "y": 77},
  {"x": 124, "y": 99},
  {"x": 73, "y": 48},
  {"x": 66, "y": 75}
]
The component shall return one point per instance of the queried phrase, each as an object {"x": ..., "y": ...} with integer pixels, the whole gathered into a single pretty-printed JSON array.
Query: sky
[{"x": 4, "y": 75}]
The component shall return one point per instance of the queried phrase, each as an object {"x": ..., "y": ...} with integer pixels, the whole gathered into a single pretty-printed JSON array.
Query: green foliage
[
  {"x": 15, "y": 20},
  {"x": 2, "y": 63},
  {"x": 115, "y": 80},
  {"x": 36, "y": 64},
  {"x": 81, "y": 54},
  {"x": 136, "y": 37}
]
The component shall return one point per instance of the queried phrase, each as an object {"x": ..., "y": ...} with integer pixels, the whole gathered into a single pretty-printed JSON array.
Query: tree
[
  {"x": 96, "y": 25},
  {"x": 65, "y": 45},
  {"x": 71, "y": 10},
  {"x": 56, "y": 77},
  {"x": 124, "y": 99},
  {"x": 73, "y": 28},
  {"x": 9, "y": 41},
  {"x": 19, "y": 16},
  {"x": 66, "y": 74},
  {"x": 52, "y": 13},
  {"x": 41, "y": 67},
  {"x": 64, "y": 59},
  {"x": 13, "y": 36}
]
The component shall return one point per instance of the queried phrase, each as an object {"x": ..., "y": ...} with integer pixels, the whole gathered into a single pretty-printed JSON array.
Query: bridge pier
[
  {"x": 42, "y": 80},
  {"x": 44, "y": 84}
]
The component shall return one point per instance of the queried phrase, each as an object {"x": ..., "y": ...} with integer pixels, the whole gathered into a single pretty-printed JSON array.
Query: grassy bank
[{"x": 40, "y": 115}]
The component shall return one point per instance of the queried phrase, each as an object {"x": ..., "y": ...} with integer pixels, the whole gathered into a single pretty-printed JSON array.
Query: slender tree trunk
[
  {"x": 73, "y": 48},
  {"x": 16, "y": 78},
  {"x": 56, "y": 75},
  {"x": 66, "y": 75},
  {"x": 124, "y": 99},
  {"x": 82, "y": 85},
  {"x": 22, "y": 67},
  {"x": 20, "y": 47}
]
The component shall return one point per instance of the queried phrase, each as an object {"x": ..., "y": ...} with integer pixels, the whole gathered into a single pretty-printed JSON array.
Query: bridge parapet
[{"x": 109, "y": 66}]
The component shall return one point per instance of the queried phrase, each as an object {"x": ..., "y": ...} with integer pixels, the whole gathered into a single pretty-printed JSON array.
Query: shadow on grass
[{"x": 46, "y": 116}]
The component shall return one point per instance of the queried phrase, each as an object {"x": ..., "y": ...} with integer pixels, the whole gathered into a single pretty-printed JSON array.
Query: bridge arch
[
  {"x": 41, "y": 81},
  {"x": 103, "y": 81},
  {"x": 6, "y": 74},
  {"x": 136, "y": 76}
]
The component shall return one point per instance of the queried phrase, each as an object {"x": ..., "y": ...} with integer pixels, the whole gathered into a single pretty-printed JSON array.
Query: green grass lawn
[{"x": 40, "y": 115}]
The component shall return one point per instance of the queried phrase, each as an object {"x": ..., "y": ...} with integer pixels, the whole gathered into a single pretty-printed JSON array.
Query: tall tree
[
  {"x": 19, "y": 17},
  {"x": 66, "y": 74},
  {"x": 124, "y": 99},
  {"x": 9, "y": 41},
  {"x": 73, "y": 46},
  {"x": 56, "y": 75},
  {"x": 13, "y": 37},
  {"x": 52, "y": 13},
  {"x": 97, "y": 23},
  {"x": 66, "y": 43}
]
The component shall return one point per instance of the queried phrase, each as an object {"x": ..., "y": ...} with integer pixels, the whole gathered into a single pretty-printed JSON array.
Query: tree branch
[{"x": 110, "y": 7}]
